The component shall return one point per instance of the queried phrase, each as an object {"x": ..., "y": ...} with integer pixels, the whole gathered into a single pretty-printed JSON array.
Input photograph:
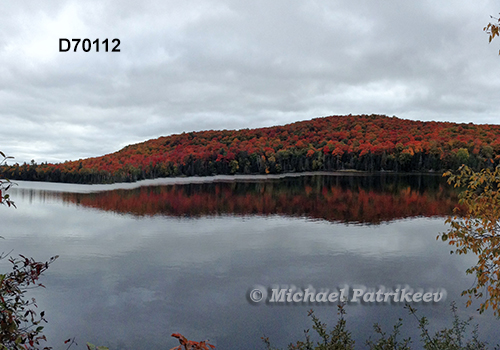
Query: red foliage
[
  {"x": 323, "y": 200},
  {"x": 190, "y": 345},
  {"x": 363, "y": 142}
]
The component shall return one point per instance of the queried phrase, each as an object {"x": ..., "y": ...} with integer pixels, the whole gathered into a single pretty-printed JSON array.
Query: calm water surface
[{"x": 138, "y": 263}]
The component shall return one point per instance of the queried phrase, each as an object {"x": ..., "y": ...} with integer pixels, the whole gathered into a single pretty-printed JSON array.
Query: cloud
[{"x": 194, "y": 65}]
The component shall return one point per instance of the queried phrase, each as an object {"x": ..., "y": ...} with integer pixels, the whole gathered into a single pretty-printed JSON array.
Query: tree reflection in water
[{"x": 347, "y": 199}]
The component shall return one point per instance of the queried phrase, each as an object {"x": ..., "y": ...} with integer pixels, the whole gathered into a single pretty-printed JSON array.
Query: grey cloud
[{"x": 193, "y": 65}]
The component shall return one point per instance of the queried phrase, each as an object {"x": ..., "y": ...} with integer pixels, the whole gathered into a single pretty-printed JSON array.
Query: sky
[{"x": 193, "y": 65}]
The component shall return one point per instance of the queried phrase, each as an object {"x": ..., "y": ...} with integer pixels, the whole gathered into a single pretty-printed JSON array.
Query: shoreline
[{"x": 22, "y": 185}]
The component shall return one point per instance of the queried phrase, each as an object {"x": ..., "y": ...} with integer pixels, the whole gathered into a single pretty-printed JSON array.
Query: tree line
[{"x": 364, "y": 142}]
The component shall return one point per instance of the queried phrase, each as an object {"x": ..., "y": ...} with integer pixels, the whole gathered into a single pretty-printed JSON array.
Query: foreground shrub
[
  {"x": 476, "y": 230},
  {"x": 339, "y": 338},
  {"x": 190, "y": 345},
  {"x": 20, "y": 325}
]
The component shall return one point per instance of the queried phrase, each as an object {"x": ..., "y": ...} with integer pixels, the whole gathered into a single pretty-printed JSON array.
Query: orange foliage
[
  {"x": 365, "y": 142},
  {"x": 190, "y": 345}
]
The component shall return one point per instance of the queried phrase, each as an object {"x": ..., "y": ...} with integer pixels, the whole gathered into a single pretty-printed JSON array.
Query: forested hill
[{"x": 369, "y": 143}]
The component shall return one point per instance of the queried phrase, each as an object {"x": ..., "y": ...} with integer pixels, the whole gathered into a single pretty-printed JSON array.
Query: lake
[{"x": 141, "y": 261}]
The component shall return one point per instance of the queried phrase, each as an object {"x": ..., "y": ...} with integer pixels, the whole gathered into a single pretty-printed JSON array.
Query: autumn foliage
[
  {"x": 493, "y": 29},
  {"x": 191, "y": 345},
  {"x": 477, "y": 230},
  {"x": 20, "y": 324},
  {"x": 366, "y": 142}
]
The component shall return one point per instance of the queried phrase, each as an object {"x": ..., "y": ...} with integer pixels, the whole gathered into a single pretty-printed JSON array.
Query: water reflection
[
  {"x": 129, "y": 281},
  {"x": 346, "y": 199}
]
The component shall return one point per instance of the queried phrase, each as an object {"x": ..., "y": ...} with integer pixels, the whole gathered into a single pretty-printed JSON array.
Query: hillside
[{"x": 368, "y": 143}]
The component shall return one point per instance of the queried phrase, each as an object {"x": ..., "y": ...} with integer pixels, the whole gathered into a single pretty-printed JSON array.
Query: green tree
[{"x": 462, "y": 155}]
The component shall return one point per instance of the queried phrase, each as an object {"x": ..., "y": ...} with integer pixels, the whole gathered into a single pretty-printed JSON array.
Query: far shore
[{"x": 87, "y": 188}]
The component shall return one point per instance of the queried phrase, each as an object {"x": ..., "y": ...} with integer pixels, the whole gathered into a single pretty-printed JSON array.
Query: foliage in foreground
[
  {"x": 493, "y": 29},
  {"x": 339, "y": 338},
  {"x": 477, "y": 230},
  {"x": 190, "y": 345},
  {"x": 20, "y": 325},
  {"x": 5, "y": 185}
]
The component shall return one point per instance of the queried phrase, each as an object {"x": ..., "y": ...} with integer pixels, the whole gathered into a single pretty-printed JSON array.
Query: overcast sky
[{"x": 197, "y": 65}]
